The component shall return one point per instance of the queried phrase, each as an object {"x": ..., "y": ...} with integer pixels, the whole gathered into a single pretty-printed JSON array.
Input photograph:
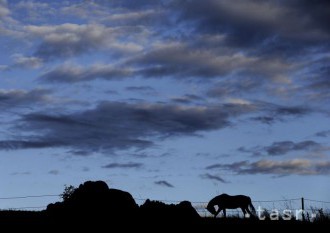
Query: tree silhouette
[{"x": 67, "y": 193}]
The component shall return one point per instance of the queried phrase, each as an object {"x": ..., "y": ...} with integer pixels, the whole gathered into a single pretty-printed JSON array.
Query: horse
[{"x": 225, "y": 201}]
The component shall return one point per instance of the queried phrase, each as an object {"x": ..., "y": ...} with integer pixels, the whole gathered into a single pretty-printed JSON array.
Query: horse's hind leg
[
  {"x": 249, "y": 212},
  {"x": 244, "y": 211},
  {"x": 224, "y": 213}
]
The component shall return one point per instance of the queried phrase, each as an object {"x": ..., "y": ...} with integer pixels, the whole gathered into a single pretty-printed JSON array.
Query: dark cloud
[
  {"x": 54, "y": 172},
  {"x": 123, "y": 165},
  {"x": 30, "y": 144},
  {"x": 23, "y": 98},
  {"x": 259, "y": 23},
  {"x": 214, "y": 177},
  {"x": 292, "y": 111},
  {"x": 272, "y": 113},
  {"x": 164, "y": 183},
  {"x": 145, "y": 90},
  {"x": 283, "y": 147},
  {"x": 187, "y": 99},
  {"x": 232, "y": 87},
  {"x": 325, "y": 133},
  {"x": 317, "y": 80},
  {"x": 278, "y": 168},
  {"x": 232, "y": 166},
  {"x": 265, "y": 119},
  {"x": 182, "y": 60},
  {"x": 117, "y": 125}
]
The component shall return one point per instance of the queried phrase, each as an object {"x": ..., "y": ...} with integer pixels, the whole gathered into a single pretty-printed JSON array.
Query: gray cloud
[
  {"x": 30, "y": 144},
  {"x": 145, "y": 90},
  {"x": 123, "y": 165},
  {"x": 187, "y": 99},
  {"x": 117, "y": 125},
  {"x": 23, "y": 98},
  {"x": 214, "y": 177},
  {"x": 164, "y": 183},
  {"x": 54, "y": 172},
  {"x": 265, "y": 119},
  {"x": 69, "y": 73},
  {"x": 325, "y": 133},
  {"x": 278, "y": 168},
  {"x": 4, "y": 11},
  {"x": 21, "y": 173},
  {"x": 22, "y": 61},
  {"x": 185, "y": 61},
  {"x": 283, "y": 147},
  {"x": 251, "y": 23},
  {"x": 69, "y": 39},
  {"x": 272, "y": 113}
]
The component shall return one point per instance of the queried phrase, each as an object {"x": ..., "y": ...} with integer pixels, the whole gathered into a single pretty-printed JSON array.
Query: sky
[{"x": 168, "y": 100}]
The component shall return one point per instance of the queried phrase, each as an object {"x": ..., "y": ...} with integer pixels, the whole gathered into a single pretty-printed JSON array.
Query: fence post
[{"x": 303, "y": 209}]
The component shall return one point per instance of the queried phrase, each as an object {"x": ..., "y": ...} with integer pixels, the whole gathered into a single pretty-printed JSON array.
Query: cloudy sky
[{"x": 165, "y": 99}]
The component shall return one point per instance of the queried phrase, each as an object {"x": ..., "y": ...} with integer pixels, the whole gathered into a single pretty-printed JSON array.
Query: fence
[{"x": 311, "y": 207}]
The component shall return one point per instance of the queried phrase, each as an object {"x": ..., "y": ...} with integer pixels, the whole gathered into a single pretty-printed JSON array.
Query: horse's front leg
[
  {"x": 216, "y": 213},
  {"x": 224, "y": 213}
]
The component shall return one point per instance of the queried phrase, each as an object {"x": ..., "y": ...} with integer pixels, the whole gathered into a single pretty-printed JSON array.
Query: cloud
[
  {"x": 23, "y": 98},
  {"x": 325, "y": 133},
  {"x": 8, "y": 25},
  {"x": 265, "y": 119},
  {"x": 54, "y": 172},
  {"x": 283, "y": 147},
  {"x": 255, "y": 23},
  {"x": 187, "y": 99},
  {"x": 69, "y": 73},
  {"x": 144, "y": 90},
  {"x": 123, "y": 165},
  {"x": 214, "y": 177},
  {"x": 30, "y": 144},
  {"x": 21, "y": 61},
  {"x": 188, "y": 61},
  {"x": 271, "y": 113},
  {"x": 21, "y": 173},
  {"x": 68, "y": 40},
  {"x": 164, "y": 183},
  {"x": 4, "y": 11},
  {"x": 278, "y": 168},
  {"x": 141, "y": 17},
  {"x": 118, "y": 125}
]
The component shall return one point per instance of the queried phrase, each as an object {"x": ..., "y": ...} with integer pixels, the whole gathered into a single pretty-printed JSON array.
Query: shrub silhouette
[
  {"x": 159, "y": 211},
  {"x": 94, "y": 200}
]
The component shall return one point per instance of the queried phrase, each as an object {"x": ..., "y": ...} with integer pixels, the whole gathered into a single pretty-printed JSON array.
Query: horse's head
[{"x": 211, "y": 209}]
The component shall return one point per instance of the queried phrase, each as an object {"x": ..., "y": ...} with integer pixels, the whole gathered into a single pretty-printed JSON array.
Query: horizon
[{"x": 168, "y": 100}]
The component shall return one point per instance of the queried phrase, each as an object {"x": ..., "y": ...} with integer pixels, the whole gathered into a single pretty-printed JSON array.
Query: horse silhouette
[{"x": 225, "y": 201}]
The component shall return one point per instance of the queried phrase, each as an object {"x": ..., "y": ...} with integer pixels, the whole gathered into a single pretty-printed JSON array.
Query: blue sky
[{"x": 175, "y": 100}]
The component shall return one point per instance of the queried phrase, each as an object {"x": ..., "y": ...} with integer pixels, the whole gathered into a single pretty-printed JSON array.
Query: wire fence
[{"x": 311, "y": 207}]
